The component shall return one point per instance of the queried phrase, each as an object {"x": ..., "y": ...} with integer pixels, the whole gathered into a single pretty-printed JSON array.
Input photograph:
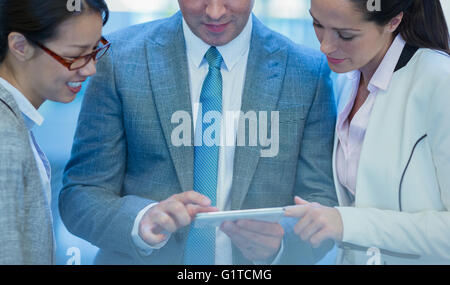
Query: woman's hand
[{"x": 317, "y": 223}]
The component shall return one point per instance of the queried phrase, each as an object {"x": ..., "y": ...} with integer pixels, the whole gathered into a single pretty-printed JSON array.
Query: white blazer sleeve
[{"x": 423, "y": 233}]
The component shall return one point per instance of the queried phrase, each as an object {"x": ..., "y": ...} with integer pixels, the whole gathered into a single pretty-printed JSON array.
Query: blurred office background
[{"x": 289, "y": 17}]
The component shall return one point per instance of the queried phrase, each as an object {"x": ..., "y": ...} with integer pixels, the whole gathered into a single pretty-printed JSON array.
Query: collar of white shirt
[
  {"x": 385, "y": 71},
  {"x": 30, "y": 114},
  {"x": 196, "y": 48}
]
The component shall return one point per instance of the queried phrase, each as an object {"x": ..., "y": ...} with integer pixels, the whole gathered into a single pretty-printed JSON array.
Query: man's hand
[
  {"x": 317, "y": 223},
  {"x": 257, "y": 240},
  {"x": 172, "y": 214}
]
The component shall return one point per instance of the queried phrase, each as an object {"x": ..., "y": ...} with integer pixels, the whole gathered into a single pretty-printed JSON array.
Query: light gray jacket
[
  {"x": 123, "y": 158},
  {"x": 26, "y": 235}
]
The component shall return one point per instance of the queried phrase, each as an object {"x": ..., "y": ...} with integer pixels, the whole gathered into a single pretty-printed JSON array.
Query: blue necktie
[{"x": 200, "y": 246}]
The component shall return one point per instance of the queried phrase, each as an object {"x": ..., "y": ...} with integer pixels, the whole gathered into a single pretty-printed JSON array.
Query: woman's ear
[
  {"x": 20, "y": 47},
  {"x": 395, "y": 23}
]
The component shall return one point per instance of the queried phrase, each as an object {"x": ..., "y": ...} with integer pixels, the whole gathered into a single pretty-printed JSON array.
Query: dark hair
[
  {"x": 423, "y": 24},
  {"x": 38, "y": 20}
]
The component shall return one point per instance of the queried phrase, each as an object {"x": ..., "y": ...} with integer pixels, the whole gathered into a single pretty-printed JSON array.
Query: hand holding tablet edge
[{"x": 215, "y": 219}]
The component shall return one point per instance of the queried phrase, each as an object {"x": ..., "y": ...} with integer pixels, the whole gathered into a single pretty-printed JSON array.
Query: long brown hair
[{"x": 423, "y": 24}]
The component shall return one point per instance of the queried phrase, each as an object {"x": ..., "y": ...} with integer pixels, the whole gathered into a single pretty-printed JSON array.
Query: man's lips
[{"x": 216, "y": 28}]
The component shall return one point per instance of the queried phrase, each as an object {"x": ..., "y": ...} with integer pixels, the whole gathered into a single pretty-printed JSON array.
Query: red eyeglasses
[{"x": 81, "y": 61}]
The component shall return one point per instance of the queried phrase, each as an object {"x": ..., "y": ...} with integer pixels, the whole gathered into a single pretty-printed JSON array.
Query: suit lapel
[
  {"x": 168, "y": 68},
  {"x": 265, "y": 73}
]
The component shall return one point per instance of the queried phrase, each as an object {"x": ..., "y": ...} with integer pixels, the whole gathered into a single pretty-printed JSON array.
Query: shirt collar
[
  {"x": 352, "y": 75},
  {"x": 30, "y": 114},
  {"x": 383, "y": 76},
  {"x": 196, "y": 48}
]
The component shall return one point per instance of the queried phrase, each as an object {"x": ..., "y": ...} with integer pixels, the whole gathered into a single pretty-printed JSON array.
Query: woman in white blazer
[{"x": 392, "y": 145}]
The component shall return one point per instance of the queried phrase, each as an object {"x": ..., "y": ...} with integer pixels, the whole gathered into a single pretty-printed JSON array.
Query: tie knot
[{"x": 214, "y": 57}]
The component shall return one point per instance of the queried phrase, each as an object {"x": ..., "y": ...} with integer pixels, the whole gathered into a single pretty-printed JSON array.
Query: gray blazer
[
  {"x": 123, "y": 158},
  {"x": 26, "y": 235}
]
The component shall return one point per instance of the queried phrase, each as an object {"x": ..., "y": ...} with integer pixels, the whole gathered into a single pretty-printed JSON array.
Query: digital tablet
[{"x": 215, "y": 219}]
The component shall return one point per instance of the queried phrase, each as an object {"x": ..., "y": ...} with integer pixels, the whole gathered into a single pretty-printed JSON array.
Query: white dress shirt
[
  {"x": 32, "y": 117},
  {"x": 234, "y": 67}
]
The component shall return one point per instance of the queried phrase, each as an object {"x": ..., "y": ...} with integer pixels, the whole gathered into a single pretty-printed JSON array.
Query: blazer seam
[
  {"x": 9, "y": 107},
  {"x": 404, "y": 172}
]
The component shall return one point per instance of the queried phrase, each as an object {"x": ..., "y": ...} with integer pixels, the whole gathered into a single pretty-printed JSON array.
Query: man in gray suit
[
  {"x": 129, "y": 189},
  {"x": 26, "y": 234}
]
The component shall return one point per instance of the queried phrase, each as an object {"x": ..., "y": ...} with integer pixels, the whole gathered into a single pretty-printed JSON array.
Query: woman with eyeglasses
[
  {"x": 391, "y": 159},
  {"x": 47, "y": 51}
]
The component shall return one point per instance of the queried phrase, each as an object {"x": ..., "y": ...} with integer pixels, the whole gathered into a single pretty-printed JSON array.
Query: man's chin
[
  {"x": 221, "y": 39},
  {"x": 216, "y": 42}
]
